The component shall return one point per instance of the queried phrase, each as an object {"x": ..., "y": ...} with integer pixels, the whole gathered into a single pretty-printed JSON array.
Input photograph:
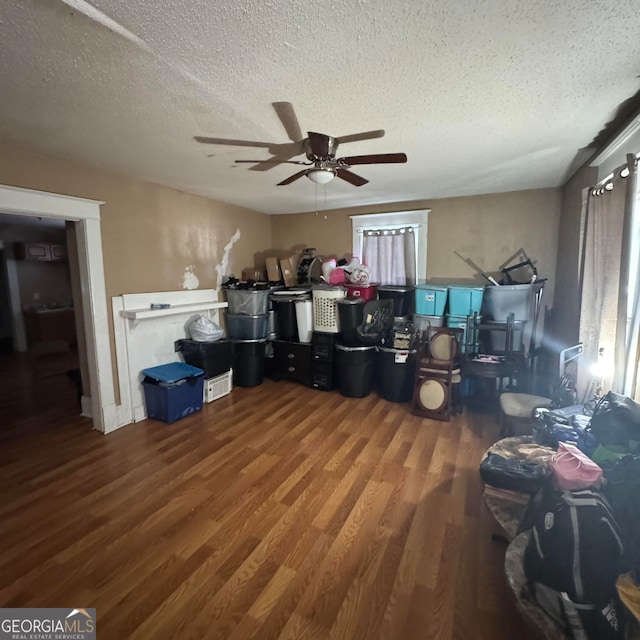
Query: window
[{"x": 385, "y": 236}]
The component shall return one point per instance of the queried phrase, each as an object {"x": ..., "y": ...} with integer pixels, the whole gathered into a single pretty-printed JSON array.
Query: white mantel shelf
[{"x": 174, "y": 309}]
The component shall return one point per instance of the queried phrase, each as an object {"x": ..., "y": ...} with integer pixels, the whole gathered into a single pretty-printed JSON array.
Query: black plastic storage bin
[
  {"x": 394, "y": 373},
  {"x": 173, "y": 391},
  {"x": 248, "y": 362},
  {"x": 355, "y": 370},
  {"x": 350, "y": 313},
  {"x": 403, "y": 298},
  {"x": 214, "y": 358},
  {"x": 286, "y": 321}
]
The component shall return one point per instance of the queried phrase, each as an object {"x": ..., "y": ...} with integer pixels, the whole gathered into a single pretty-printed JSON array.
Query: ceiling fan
[{"x": 319, "y": 148}]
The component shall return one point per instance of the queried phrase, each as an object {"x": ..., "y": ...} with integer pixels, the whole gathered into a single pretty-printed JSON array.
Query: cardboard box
[
  {"x": 252, "y": 274},
  {"x": 288, "y": 274},
  {"x": 273, "y": 270}
]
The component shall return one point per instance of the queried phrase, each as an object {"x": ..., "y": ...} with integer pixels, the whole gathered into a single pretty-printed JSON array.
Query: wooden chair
[{"x": 436, "y": 392}]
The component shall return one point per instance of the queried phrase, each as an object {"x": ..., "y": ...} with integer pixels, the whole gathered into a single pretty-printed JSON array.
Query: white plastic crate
[
  {"x": 325, "y": 309},
  {"x": 217, "y": 387}
]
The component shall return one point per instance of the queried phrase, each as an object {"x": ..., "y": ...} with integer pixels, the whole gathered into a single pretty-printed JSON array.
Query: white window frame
[{"x": 417, "y": 219}]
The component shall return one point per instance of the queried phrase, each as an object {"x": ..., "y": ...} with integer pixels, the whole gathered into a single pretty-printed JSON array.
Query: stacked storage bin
[
  {"x": 248, "y": 314},
  {"x": 464, "y": 302},
  {"x": 521, "y": 300},
  {"x": 431, "y": 301},
  {"x": 248, "y": 324},
  {"x": 214, "y": 358}
]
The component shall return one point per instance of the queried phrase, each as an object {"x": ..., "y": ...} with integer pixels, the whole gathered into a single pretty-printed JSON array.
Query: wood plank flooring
[{"x": 277, "y": 512}]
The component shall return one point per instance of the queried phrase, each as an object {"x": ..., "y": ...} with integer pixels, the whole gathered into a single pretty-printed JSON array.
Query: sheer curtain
[
  {"x": 390, "y": 255},
  {"x": 606, "y": 328}
]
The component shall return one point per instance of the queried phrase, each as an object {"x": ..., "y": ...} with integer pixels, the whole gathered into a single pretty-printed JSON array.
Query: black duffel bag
[
  {"x": 513, "y": 474},
  {"x": 616, "y": 420}
]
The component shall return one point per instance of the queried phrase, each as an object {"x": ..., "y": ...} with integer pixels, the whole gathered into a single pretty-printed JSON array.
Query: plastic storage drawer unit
[
  {"x": 173, "y": 391},
  {"x": 465, "y": 301},
  {"x": 430, "y": 300}
]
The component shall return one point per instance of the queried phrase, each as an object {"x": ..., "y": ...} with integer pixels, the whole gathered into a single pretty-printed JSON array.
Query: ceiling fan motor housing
[{"x": 329, "y": 151}]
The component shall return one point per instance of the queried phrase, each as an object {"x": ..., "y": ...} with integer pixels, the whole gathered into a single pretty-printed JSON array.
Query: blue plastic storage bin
[
  {"x": 173, "y": 391},
  {"x": 465, "y": 301},
  {"x": 430, "y": 300}
]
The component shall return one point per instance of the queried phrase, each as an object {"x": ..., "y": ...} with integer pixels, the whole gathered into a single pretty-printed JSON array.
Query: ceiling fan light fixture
[{"x": 321, "y": 176}]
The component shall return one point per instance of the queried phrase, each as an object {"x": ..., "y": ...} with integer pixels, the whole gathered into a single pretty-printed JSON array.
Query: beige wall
[
  {"x": 487, "y": 229},
  {"x": 150, "y": 233}
]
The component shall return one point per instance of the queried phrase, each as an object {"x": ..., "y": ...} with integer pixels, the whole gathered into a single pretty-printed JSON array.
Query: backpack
[
  {"x": 575, "y": 545},
  {"x": 622, "y": 490}
]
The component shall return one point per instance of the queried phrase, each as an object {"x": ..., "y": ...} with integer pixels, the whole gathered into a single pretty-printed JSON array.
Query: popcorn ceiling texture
[{"x": 483, "y": 97}]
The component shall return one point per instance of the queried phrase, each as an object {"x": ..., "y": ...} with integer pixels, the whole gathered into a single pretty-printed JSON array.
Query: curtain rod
[
  {"x": 623, "y": 171},
  {"x": 378, "y": 227}
]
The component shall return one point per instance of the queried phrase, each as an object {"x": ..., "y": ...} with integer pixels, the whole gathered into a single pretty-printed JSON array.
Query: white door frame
[{"x": 86, "y": 213}]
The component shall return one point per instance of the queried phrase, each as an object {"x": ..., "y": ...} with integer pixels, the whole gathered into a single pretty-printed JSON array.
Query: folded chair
[{"x": 436, "y": 392}]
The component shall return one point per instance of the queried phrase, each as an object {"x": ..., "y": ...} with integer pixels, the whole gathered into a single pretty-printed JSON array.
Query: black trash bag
[
  {"x": 513, "y": 474},
  {"x": 616, "y": 420}
]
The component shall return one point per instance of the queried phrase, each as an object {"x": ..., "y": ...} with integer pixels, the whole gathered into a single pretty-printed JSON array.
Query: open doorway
[
  {"x": 40, "y": 349},
  {"x": 101, "y": 406}
]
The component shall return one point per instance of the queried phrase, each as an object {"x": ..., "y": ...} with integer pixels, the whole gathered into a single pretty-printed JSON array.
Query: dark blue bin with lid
[{"x": 173, "y": 391}]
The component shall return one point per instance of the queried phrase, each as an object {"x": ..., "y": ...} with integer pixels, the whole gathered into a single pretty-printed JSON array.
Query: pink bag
[{"x": 572, "y": 470}]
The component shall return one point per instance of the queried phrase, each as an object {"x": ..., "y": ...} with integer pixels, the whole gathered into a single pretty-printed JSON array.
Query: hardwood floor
[{"x": 277, "y": 512}]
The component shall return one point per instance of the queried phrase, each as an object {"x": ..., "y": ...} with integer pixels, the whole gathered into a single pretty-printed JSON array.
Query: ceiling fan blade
[
  {"x": 233, "y": 143},
  {"x": 319, "y": 143},
  {"x": 295, "y": 176},
  {"x": 289, "y": 120},
  {"x": 349, "y": 176},
  {"x": 365, "y": 135},
  {"x": 379, "y": 158},
  {"x": 273, "y": 162}
]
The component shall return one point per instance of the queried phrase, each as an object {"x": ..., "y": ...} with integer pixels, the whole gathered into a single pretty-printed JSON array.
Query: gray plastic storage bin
[
  {"x": 424, "y": 322},
  {"x": 248, "y": 302},
  {"x": 497, "y": 338},
  {"x": 242, "y": 327},
  {"x": 499, "y": 302}
]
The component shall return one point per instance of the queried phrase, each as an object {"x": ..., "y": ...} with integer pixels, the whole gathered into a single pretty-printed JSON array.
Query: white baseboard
[{"x": 85, "y": 403}]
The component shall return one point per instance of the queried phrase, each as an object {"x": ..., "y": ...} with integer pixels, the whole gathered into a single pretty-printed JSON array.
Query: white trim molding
[
  {"x": 614, "y": 154},
  {"x": 145, "y": 337},
  {"x": 418, "y": 219},
  {"x": 86, "y": 213}
]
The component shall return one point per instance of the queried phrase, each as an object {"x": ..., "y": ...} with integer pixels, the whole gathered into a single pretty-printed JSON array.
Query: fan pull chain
[{"x": 316, "y": 186}]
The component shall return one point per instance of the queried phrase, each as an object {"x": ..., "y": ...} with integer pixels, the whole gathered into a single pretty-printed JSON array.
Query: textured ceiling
[{"x": 482, "y": 96}]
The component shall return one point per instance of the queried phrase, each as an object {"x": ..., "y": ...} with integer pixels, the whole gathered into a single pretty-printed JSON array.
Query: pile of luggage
[{"x": 582, "y": 561}]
